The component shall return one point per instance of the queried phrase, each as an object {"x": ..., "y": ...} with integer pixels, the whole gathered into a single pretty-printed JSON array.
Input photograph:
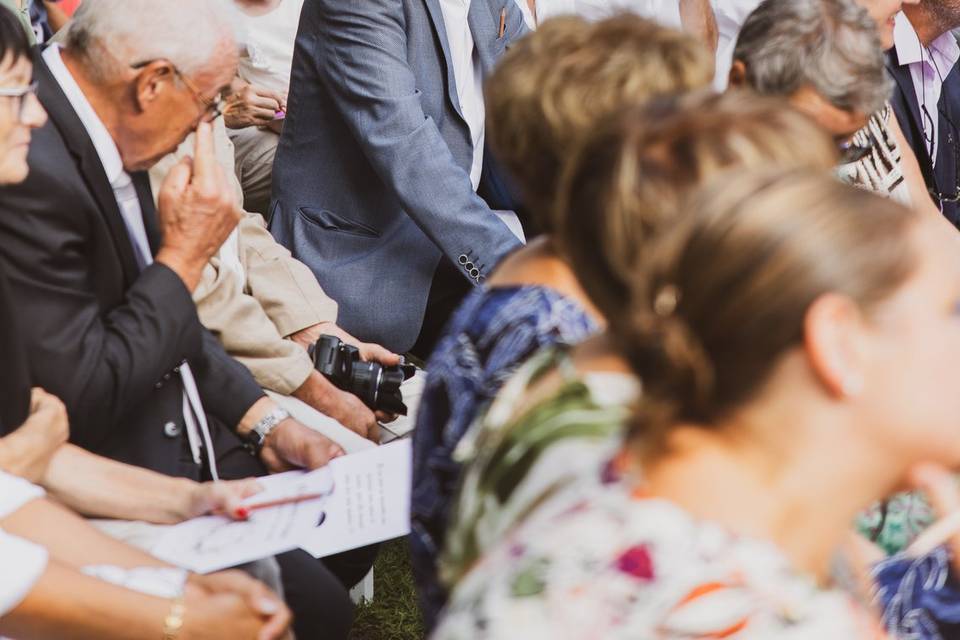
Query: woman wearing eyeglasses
[{"x": 60, "y": 577}]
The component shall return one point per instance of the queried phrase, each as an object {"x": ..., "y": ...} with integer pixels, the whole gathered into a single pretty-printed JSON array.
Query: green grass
[{"x": 393, "y": 614}]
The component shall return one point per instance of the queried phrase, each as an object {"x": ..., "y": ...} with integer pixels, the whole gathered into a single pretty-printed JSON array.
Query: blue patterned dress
[{"x": 491, "y": 334}]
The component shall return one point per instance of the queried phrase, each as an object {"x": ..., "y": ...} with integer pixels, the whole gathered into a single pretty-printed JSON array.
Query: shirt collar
[
  {"x": 910, "y": 51},
  {"x": 99, "y": 135}
]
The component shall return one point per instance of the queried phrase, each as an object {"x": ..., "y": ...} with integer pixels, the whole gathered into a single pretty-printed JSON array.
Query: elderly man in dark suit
[
  {"x": 381, "y": 181},
  {"x": 102, "y": 283}
]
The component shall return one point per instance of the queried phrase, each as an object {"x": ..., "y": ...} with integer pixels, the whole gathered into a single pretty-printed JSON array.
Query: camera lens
[{"x": 365, "y": 382}]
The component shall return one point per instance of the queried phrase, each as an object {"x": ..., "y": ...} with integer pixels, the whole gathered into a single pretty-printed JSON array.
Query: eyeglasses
[
  {"x": 212, "y": 109},
  {"x": 20, "y": 94}
]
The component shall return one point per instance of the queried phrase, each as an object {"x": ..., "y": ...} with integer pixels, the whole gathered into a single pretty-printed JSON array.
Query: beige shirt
[{"x": 254, "y": 294}]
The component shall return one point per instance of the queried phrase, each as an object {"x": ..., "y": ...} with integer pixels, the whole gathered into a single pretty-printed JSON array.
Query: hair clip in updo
[{"x": 666, "y": 300}]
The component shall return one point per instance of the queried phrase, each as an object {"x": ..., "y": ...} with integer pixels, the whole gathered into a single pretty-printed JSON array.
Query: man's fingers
[
  {"x": 376, "y": 353},
  {"x": 273, "y": 96},
  {"x": 385, "y": 418},
  {"x": 262, "y": 117},
  {"x": 178, "y": 177},
  {"x": 204, "y": 157},
  {"x": 264, "y": 103},
  {"x": 322, "y": 451}
]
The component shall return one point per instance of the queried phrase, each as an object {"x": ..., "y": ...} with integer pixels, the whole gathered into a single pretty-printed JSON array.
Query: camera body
[{"x": 376, "y": 385}]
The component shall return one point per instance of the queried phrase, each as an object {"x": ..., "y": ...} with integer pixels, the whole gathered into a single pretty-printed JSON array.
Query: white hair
[
  {"x": 189, "y": 33},
  {"x": 830, "y": 45}
]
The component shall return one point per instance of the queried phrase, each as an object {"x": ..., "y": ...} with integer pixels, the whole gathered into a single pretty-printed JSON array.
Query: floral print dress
[
  {"x": 619, "y": 565},
  {"x": 527, "y": 450},
  {"x": 489, "y": 337}
]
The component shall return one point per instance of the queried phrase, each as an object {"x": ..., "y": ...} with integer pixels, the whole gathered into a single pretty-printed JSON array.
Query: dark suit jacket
[
  {"x": 14, "y": 373},
  {"x": 371, "y": 180},
  {"x": 941, "y": 178},
  {"x": 99, "y": 333}
]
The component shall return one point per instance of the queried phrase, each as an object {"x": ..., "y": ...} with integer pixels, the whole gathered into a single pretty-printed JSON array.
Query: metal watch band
[{"x": 258, "y": 434}]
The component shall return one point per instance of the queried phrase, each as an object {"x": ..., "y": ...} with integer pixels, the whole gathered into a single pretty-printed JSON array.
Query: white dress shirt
[
  {"x": 269, "y": 40},
  {"x": 468, "y": 77},
  {"x": 929, "y": 66},
  {"x": 664, "y": 12},
  {"x": 198, "y": 432},
  {"x": 731, "y": 14},
  {"x": 23, "y": 562}
]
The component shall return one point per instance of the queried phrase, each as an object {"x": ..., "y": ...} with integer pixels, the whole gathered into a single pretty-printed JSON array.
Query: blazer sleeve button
[
  {"x": 171, "y": 429},
  {"x": 463, "y": 258}
]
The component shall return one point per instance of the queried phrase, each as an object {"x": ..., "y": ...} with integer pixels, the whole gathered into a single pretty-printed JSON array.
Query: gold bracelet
[{"x": 173, "y": 623}]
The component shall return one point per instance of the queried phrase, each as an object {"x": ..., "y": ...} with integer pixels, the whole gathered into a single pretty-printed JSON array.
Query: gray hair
[
  {"x": 833, "y": 46},
  {"x": 110, "y": 34}
]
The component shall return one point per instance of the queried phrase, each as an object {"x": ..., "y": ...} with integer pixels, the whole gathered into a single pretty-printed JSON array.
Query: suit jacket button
[
  {"x": 171, "y": 429},
  {"x": 463, "y": 258},
  {"x": 176, "y": 369},
  {"x": 166, "y": 376},
  {"x": 474, "y": 273},
  {"x": 158, "y": 385}
]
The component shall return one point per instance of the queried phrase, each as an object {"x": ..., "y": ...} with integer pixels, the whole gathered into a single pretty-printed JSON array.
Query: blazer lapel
[
  {"x": 485, "y": 26},
  {"x": 436, "y": 16},
  {"x": 75, "y": 136},
  {"x": 901, "y": 75}
]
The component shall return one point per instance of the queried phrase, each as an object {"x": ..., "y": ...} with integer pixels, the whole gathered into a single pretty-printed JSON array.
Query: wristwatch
[{"x": 254, "y": 440}]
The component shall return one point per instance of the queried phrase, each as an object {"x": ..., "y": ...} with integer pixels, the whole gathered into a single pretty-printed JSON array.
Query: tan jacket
[{"x": 275, "y": 295}]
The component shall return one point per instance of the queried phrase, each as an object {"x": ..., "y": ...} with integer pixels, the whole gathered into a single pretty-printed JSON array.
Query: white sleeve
[
  {"x": 23, "y": 563},
  {"x": 16, "y": 492}
]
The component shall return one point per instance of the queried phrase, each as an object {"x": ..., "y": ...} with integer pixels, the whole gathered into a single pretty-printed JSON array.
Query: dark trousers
[
  {"x": 315, "y": 590},
  {"x": 447, "y": 290}
]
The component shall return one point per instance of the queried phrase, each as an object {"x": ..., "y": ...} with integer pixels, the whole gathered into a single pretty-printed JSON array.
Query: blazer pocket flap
[{"x": 330, "y": 221}]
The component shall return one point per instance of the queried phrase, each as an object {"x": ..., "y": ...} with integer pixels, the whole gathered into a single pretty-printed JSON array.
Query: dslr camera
[{"x": 376, "y": 385}]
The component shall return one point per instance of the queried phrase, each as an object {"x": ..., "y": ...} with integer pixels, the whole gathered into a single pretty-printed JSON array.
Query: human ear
[
  {"x": 834, "y": 343},
  {"x": 151, "y": 81},
  {"x": 738, "y": 74}
]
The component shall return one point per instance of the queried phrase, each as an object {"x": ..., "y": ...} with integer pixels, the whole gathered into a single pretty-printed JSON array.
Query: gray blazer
[{"x": 371, "y": 182}]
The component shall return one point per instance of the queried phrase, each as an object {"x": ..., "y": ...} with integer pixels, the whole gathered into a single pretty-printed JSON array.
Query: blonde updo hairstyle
[
  {"x": 725, "y": 289},
  {"x": 559, "y": 82},
  {"x": 628, "y": 176}
]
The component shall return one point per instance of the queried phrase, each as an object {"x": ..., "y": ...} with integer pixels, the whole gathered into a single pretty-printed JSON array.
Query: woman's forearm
[
  {"x": 699, "y": 20},
  {"x": 65, "y": 603},
  {"x": 70, "y": 539},
  {"x": 99, "y": 487},
  {"x": 12, "y": 458}
]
